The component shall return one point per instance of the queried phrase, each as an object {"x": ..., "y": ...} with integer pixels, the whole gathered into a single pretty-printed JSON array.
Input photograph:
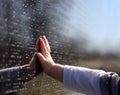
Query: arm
[
  {"x": 89, "y": 81},
  {"x": 12, "y": 79},
  {"x": 47, "y": 63}
]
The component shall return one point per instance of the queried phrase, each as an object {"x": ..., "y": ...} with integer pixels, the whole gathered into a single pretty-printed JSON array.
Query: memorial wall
[
  {"x": 67, "y": 26},
  {"x": 21, "y": 23}
]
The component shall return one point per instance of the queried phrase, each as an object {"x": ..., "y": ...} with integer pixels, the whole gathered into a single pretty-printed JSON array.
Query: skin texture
[{"x": 47, "y": 63}]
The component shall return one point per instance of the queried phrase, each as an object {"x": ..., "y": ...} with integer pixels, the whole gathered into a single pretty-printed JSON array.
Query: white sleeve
[{"x": 82, "y": 79}]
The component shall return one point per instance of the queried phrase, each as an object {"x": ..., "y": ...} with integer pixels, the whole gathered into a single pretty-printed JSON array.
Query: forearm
[
  {"x": 91, "y": 81},
  {"x": 82, "y": 79},
  {"x": 23, "y": 72},
  {"x": 14, "y": 76},
  {"x": 9, "y": 79},
  {"x": 26, "y": 73},
  {"x": 56, "y": 72}
]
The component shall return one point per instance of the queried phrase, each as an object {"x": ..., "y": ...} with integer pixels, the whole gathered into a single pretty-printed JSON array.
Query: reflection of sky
[{"x": 100, "y": 18}]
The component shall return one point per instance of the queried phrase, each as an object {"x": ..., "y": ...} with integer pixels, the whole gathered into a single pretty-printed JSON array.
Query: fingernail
[
  {"x": 40, "y": 39},
  {"x": 43, "y": 36}
]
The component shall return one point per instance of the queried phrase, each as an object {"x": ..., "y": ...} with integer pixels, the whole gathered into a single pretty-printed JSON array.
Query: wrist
[
  {"x": 56, "y": 72},
  {"x": 49, "y": 68}
]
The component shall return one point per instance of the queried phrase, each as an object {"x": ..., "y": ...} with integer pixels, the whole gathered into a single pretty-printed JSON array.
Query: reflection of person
[
  {"x": 80, "y": 79},
  {"x": 12, "y": 79}
]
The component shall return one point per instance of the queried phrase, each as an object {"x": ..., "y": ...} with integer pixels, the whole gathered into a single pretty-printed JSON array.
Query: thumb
[{"x": 40, "y": 57}]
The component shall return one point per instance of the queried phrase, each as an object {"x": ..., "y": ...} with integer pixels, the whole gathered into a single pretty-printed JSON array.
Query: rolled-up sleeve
[
  {"x": 110, "y": 84},
  {"x": 82, "y": 79}
]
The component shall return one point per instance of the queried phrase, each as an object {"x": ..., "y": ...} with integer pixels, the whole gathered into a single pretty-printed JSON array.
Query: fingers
[
  {"x": 40, "y": 57},
  {"x": 33, "y": 58},
  {"x": 43, "y": 47},
  {"x": 46, "y": 43},
  {"x": 37, "y": 46}
]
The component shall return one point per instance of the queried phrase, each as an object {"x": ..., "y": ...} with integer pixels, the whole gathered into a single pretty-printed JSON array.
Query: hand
[
  {"x": 32, "y": 64},
  {"x": 44, "y": 56},
  {"x": 28, "y": 71},
  {"x": 35, "y": 64}
]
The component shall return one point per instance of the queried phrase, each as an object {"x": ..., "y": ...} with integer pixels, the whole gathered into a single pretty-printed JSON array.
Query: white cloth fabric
[{"x": 82, "y": 79}]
